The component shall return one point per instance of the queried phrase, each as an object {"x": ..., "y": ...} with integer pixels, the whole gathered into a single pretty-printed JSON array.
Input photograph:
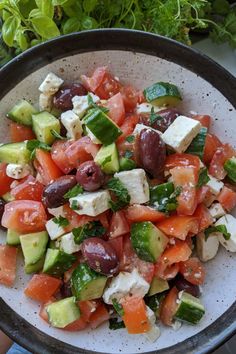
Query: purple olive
[
  {"x": 65, "y": 290},
  {"x": 2, "y": 205},
  {"x": 168, "y": 116},
  {"x": 90, "y": 176},
  {"x": 63, "y": 98},
  {"x": 183, "y": 284},
  {"x": 100, "y": 256}
]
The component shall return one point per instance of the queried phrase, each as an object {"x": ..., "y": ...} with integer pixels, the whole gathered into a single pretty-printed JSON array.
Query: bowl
[{"x": 140, "y": 59}]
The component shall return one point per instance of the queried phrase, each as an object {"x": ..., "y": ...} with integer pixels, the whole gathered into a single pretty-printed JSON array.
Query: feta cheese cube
[
  {"x": 215, "y": 185},
  {"x": 72, "y": 123},
  {"x": 51, "y": 84},
  {"x": 230, "y": 222},
  {"x": 81, "y": 105},
  {"x": 216, "y": 210},
  {"x": 93, "y": 138},
  {"x": 91, "y": 204},
  {"x": 135, "y": 181},
  {"x": 56, "y": 211},
  {"x": 180, "y": 133},
  {"x": 144, "y": 108},
  {"x": 124, "y": 284},
  {"x": 207, "y": 248},
  {"x": 68, "y": 245},
  {"x": 54, "y": 230},
  {"x": 45, "y": 102},
  {"x": 139, "y": 127},
  {"x": 18, "y": 171},
  {"x": 154, "y": 333}
]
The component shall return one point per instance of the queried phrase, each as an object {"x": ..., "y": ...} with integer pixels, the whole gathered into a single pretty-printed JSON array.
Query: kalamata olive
[
  {"x": 65, "y": 290},
  {"x": 151, "y": 152},
  {"x": 62, "y": 99},
  {"x": 90, "y": 176},
  {"x": 183, "y": 284},
  {"x": 100, "y": 256},
  {"x": 53, "y": 194},
  {"x": 2, "y": 205},
  {"x": 168, "y": 116}
]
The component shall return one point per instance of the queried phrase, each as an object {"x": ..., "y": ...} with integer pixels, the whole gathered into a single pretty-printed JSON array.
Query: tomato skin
[
  {"x": 179, "y": 226},
  {"x": 99, "y": 316},
  {"x": 205, "y": 120},
  {"x": 8, "y": 257},
  {"x": 182, "y": 160},
  {"x": 128, "y": 127},
  {"x": 42, "y": 312},
  {"x": 168, "y": 307},
  {"x": 117, "y": 244},
  {"x": 46, "y": 167},
  {"x": 119, "y": 225},
  {"x": 223, "y": 153},
  {"x": 93, "y": 82},
  {"x": 5, "y": 181},
  {"x": 24, "y": 216},
  {"x": 77, "y": 325},
  {"x": 202, "y": 193},
  {"x": 211, "y": 145},
  {"x": 59, "y": 157},
  {"x": 116, "y": 107},
  {"x": 19, "y": 132},
  {"x": 130, "y": 97},
  {"x": 42, "y": 287},
  {"x": 29, "y": 189},
  {"x": 87, "y": 308},
  {"x": 204, "y": 217},
  {"x": 193, "y": 271},
  {"x": 227, "y": 198},
  {"x": 138, "y": 213},
  {"x": 135, "y": 315}
]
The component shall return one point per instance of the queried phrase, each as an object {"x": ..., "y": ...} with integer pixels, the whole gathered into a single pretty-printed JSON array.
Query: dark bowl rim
[{"x": 135, "y": 41}]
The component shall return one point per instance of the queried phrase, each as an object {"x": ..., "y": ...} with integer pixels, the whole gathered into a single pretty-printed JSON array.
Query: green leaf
[
  {"x": 73, "y": 192},
  {"x": 45, "y": 26},
  {"x": 128, "y": 154},
  {"x": 9, "y": 29},
  {"x": 74, "y": 205},
  {"x": 118, "y": 307},
  {"x": 34, "y": 144},
  {"x": 220, "y": 7},
  {"x": 114, "y": 324},
  {"x": 120, "y": 192},
  {"x": 57, "y": 135},
  {"x": 46, "y": 7},
  {"x": 89, "y": 5},
  {"x": 61, "y": 2},
  {"x": 92, "y": 104},
  {"x": 91, "y": 229},
  {"x": 88, "y": 23},
  {"x": 219, "y": 228},
  {"x": 22, "y": 39},
  {"x": 71, "y": 25},
  {"x": 203, "y": 177},
  {"x": 130, "y": 138},
  {"x": 154, "y": 116},
  {"x": 61, "y": 221},
  {"x": 35, "y": 13}
]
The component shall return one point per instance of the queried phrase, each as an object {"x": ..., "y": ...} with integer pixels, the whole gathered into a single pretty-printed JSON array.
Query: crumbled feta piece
[
  {"x": 93, "y": 138},
  {"x": 139, "y": 127},
  {"x": 143, "y": 108},
  {"x": 54, "y": 230},
  {"x": 68, "y": 245},
  {"x": 81, "y": 105},
  {"x": 135, "y": 181},
  {"x": 230, "y": 222},
  {"x": 207, "y": 248},
  {"x": 181, "y": 132},
  {"x": 51, "y": 84},
  {"x": 215, "y": 185},
  {"x": 91, "y": 203},
  {"x": 56, "y": 211},
  {"x": 154, "y": 333},
  {"x": 124, "y": 284},
  {"x": 18, "y": 171},
  {"x": 45, "y": 102},
  {"x": 72, "y": 123},
  {"x": 176, "y": 325},
  {"x": 216, "y": 210}
]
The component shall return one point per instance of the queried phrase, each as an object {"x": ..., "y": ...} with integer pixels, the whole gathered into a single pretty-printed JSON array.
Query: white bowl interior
[{"x": 140, "y": 70}]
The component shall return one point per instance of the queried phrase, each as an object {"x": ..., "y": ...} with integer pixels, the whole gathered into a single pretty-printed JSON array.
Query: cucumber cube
[
  {"x": 162, "y": 94},
  {"x": 57, "y": 262},
  {"x": 14, "y": 153},
  {"x": 189, "y": 309},
  {"x": 22, "y": 113},
  {"x": 107, "y": 158},
  {"x": 43, "y": 124},
  {"x": 63, "y": 312},
  {"x": 33, "y": 246}
]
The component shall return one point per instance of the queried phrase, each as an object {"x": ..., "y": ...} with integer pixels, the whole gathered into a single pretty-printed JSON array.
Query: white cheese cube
[
  {"x": 81, "y": 105},
  {"x": 139, "y": 127},
  {"x": 54, "y": 230},
  {"x": 68, "y": 245},
  {"x": 51, "y": 84},
  {"x": 230, "y": 222},
  {"x": 180, "y": 133},
  {"x": 93, "y": 138},
  {"x": 91, "y": 204},
  {"x": 18, "y": 171},
  {"x": 124, "y": 284},
  {"x": 215, "y": 185},
  {"x": 45, "y": 102},
  {"x": 154, "y": 333},
  {"x": 135, "y": 181},
  {"x": 56, "y": 211},
  {"x": 207, "y": 248},
  {"x": 73, "y": 125},
  {"x": 144, "y": 108},
  {"x": 216, "y": 210}
]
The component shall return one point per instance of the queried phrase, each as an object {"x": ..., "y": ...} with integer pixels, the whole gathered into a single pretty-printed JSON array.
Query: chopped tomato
[
  {"x": 58, "y": 155},
  {"x": 8, "y": 255},
  {"x": 204, "y": 217},
  {"x": 182, "y": 160},
  {"x": 119, "y": 225},
  {"x": 68, "y": 273},
  {"x": 117, "y": 245},
  {"x": 222, "y": 154},
  {"x": 77, "y": 325},
  {"x": 42, "y": 312},
  {"x": 212, "y": 143},
  {"x": 19, "y": 132},
  {"x": 46, "y": 167},
  {"x": 193, "y": 271},
  {"x": 179, "y": 226},
  {"x": 185, "y": 178},
  {"x": 128, "y": 127},
  {"x": 87, "y": 308},
  {"x": 5, "y": 181},
  {"x": 227, "y": 198},
  {"x": 116, "y": 107},
  {"x": 130, "y": 97},
  {"x": 42, "y": 287},
  {"x": 99, "y": 316},
  {"x": 202, "y": 194},
  {"x": 165, "y": 267},
  {"x": 138, "y": 213},
  {"x": 205, "y": 120},
  {"x": 24, "y": 216},
  {"x": 29, "y": 189},
  {"x": 135, "y": 315},
  {"x": 169, "y": 307}
]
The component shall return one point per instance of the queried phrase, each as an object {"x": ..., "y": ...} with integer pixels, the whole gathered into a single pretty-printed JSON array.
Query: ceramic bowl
[{"x": 140, "y": 59}]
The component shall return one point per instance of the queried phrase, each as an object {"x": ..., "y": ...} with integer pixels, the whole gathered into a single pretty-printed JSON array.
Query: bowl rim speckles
[{"x": 133, "y": 41}]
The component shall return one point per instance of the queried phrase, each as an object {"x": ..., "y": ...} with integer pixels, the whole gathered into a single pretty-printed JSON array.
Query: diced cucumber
[
  {"x": 158, "y": 285},
  {"x": 13, "y": 237},
  {"x": 86, "y": 283},
  {"x": 33, "y": 246},
  {"x": 161, "y": 191},
  {"x": 126, "y": 164},
  {"x": 14, "y": 153},
  {"x": 43, "y": 123},
  {"x": 107, "y": 158},
  {"x": 22, "y": 113},
  {"x": 102, "y": 126},
  {"x": 198, "y": 144},
  {"x": 148, "y": 241},
  {"x": 189, "y": 308},
  {"x": 63, "y": 312},
  {"x": 162, "y": 94},
  {"x": 57, "y": 262},
  {"x": 34, "y": 268},
  {"x": 8, "y": 197},
  {"x": 230, "y": 168}
]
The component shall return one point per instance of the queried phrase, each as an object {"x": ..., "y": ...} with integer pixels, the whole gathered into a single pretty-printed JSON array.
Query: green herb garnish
[
  {"x": 61, "y": 221},
  {"x": 154, "y": 116},
  {"x": 34, "y": 144},
  {"x": 114, "y": 324},
  {"x": 92, "y": 104},
  {"x": 73, "y": 192},
  {"x": 128, "y": 154},
  {"x": 120, "y": 192},
  {"x": 219, "y": 228},
  {"x": 91, "y": 229},
  {"x": 57, "y": 135},
  {"x": 118, "y": 307},
  {"x": 203, "y": 177},
  {"x": 130, "y": 138}
]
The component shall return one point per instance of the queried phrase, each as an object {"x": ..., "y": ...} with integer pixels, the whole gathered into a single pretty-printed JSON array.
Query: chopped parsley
[
  {"x": 120, "y": 192},
  {"x": 118, "y": 307},
  {"x": 154, "y": 116},
  {"x": 92, "y": 104},
  {"x": 91, "y": 229},
  {"x": 114, "y": 324},
  {"x": 203, "y": 177},
  {"x": 61, "y": 221},
  {"x": 130, "y": 138},
  {"x": 34, "y": 144},
  {"x": 219, "y": 228},
  {"x": 56, "y": 134},
  {"x": 128, "y": 154},
  {"x": 73, "y": 192}
]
